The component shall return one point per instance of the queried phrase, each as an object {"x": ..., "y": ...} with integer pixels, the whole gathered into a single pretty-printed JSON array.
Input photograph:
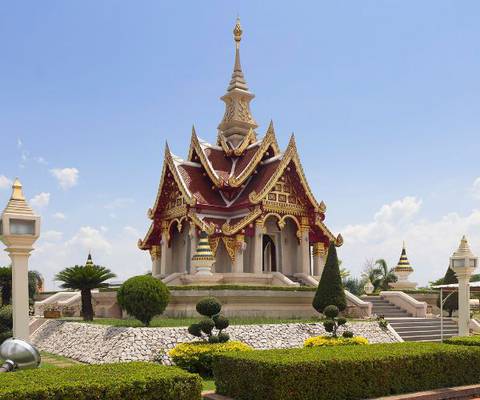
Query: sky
[{"x": 383, "y": 98}]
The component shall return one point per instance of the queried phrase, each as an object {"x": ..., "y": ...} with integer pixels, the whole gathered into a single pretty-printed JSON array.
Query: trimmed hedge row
[
  {"x": 464, "y": 340},
  {"x": 349, "y": 372},
  {"x": 133, "y": 381},
  {"x": 233, "y": 287}
]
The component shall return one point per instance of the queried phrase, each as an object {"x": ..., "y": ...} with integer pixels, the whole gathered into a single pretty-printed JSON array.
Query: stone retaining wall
[{"x": 96, "y": 344}]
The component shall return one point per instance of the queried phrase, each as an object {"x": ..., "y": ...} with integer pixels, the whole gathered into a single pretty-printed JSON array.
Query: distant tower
[
  {"x": 89, "y": 262},
  {"x": 402, "y": 271},
  {"x": 203, "y": 259}
]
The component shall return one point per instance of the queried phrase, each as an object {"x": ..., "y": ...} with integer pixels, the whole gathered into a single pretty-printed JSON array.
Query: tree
[
  {"x": 385, "y": 275},
  {"x": 35, "y": 280},
  {"x": 354, "y": 286},
  {"x": 85, "y": 278},
  {"x": 6, "y": 284},
  {"x": 330, "y": 289},
  {"x": 143, "y": 297},
  {"x": 451, "y": 302}
]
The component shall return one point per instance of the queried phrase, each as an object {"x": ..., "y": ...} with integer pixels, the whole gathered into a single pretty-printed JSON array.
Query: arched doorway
[{"x": 269, "y": 254}]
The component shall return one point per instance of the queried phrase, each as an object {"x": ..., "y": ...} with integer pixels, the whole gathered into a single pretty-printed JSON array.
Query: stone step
[
  {"x": 423, "y": 329},
  {"x": 427, "y": 338},
  {"x": 408, "y": 334}
]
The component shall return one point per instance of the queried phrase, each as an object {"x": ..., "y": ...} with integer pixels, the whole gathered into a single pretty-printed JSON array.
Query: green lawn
[
  {"x": 54, "y": 361},
  {"x": 208, "y": 384},
  {"x": 163, "y": 322}
]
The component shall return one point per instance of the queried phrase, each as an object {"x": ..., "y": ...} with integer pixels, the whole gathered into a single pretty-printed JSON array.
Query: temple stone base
[
  {"x": 403, "y": 285},
  {"x": 265, "y": 279}
]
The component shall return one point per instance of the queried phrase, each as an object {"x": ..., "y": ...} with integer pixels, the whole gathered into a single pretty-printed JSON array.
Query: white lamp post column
[
  {"x": 463, "y": 262},
  {"x": 19, "y": 229}
]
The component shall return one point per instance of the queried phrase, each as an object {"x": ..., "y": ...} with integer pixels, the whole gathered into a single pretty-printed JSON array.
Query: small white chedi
[{"x": 403, "y": 270}]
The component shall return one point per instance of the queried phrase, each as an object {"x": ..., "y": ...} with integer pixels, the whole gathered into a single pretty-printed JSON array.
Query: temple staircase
[
  {"x": 383, "y": 307},
  {"x": 423, "y": 329}
]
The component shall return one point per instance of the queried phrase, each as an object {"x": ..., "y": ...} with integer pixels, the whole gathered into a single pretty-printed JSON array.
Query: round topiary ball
[
  {"x": 214, "y": 339},
  {"x": 223, "y": 337},
  {"x": 143, "y": 297},
  {"x": 207, "y": 325},
  {"x": 347, "y": 334},
  {"x": 221, "y": 322},
  {"x": 341, "y": 321},
  {"x": 195, "y": 330},
  {"x": 329, "y": 325},
  {"x": 331, "y": 311},
  {"x": 209, "y": 306}
]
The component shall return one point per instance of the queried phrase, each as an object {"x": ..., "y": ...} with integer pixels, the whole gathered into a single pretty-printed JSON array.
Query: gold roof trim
[
  {"x": 228, "y": 229},
  {"x": 268, "y": 141}
]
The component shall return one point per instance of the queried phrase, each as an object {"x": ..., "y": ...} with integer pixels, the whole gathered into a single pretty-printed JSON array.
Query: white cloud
[
  {"x": 40, "y": 200},
  {"x": 41, "y": 160},
  {"x": 476, "y": 188},
  {"x": 429, "y": 242},
  {"x": 90, "y": 239},
  {"x": 67, "y": 177},
  {"x": 120, "y": 202},
  {"x": 5, "y": 182},
  {"x": 19, "y": 143},
  {"x": 60, "y": 216},
  {"x": 52, "y": 236},
  {"x": 129, "y": 230}
]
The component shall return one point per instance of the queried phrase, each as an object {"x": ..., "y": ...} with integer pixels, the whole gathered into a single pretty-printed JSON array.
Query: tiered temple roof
[{"x": 224, "y": 188}]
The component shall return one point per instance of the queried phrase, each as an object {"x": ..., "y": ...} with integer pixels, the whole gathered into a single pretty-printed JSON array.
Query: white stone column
[
  {"x": 163, "y": 253},
  {"x": 156, "y": 255},
  {"x": 258, "y": 249},
  {"x": 193, "y": 245},
  {"x": 305, "y": 250},
  {"x": 318, "y": 259},
  {"x": 237, "y": 266},
  {"x": 19, "y": 257},
  {"x": 463, "y": 303}
]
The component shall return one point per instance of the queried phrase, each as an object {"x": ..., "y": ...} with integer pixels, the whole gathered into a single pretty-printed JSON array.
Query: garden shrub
[
  {"x": 330, "y": 289},
  {"x": 143, "y": 297},
  {"x": 345, "y": 372},
  {"x": 197, "y": 356},
  {"x": 6, "y": 323},
  {"x": 320, "y": 341},
  {"x": 210, "y": 308},
  {"x": 464, "y": 340},
  {"x": 132, "y": 381},
  {"x": 332, "y": 323}
]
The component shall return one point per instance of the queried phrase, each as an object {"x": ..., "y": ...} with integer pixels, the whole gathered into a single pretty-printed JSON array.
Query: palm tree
[
  {"x": 385, "y": 276},
  {"x": 85, "y": 278}
]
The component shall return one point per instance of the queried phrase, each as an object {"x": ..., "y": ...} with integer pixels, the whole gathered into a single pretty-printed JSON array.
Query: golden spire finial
[
  {"x": 17, "y": 192},
  {"x": 237, "y": 31}
]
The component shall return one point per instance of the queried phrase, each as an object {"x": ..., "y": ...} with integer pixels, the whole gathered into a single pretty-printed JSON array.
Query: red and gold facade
[{"x": 252, "y": 199}]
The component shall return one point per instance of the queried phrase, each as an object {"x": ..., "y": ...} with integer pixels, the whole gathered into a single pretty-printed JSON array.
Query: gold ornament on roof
[{"x": 237, "y": 31}]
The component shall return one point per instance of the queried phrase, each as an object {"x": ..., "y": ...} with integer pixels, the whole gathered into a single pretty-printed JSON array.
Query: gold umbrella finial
[
  {"x": 17, "y": 191},
  {"x": 237, "y": 31}
]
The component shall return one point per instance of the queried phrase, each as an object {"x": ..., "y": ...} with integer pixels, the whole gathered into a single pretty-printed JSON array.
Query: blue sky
[{"x": 383, "y": 97}]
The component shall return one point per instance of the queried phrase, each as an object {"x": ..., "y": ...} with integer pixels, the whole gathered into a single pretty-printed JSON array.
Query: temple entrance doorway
[{"x": 269, "y": 254}]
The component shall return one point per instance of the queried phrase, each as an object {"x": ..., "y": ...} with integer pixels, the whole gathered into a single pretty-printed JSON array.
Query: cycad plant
[
  {"x": 85, "y": 278},
  {"x": 384, "y": 274}
]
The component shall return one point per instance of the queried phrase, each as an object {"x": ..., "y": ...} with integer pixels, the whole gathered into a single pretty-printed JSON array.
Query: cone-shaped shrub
[{"x": 330, "y": 289}]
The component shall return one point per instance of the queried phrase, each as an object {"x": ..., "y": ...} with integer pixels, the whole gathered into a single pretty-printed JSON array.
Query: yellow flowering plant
[{"x": 319, "y": 341}]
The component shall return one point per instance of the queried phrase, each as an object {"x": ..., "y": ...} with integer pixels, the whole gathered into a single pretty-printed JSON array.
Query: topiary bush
[
  {"x": 330, "y": 289},
  {"x": 210, "y": 308},
  {"x": 464, "y": 340},
  {"x": 143, "y": 297},
  {"x": 6, "y": 323},
  {"x": 132, "y": 381},
  {"x": 197, "y": 357},
  {"x": 332, "y": 323}
]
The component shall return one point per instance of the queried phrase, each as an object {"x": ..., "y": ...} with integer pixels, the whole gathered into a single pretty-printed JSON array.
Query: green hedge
[
  {"x": 464, "y": 340},
  {"x": 349, "y": 372},
  {"x": 133, "y": 381},
  {"x": 233, "y": 287}
]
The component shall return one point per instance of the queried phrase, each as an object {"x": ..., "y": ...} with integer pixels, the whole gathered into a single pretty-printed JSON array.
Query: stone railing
[{"x": 405, "y": 302}]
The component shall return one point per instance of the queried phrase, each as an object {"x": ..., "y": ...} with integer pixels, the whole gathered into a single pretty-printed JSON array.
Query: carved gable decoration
[
  {"x": 284, "y": 198},
  {"x": 172, "y": 200}
]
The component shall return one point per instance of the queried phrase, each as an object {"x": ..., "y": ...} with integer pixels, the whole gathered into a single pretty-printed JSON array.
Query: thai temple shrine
[
  {"x": 403, "y": 270},
  {"x": 263, "y": 222}
]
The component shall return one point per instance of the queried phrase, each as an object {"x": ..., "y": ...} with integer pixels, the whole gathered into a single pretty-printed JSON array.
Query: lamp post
[
  {"x": 463, "y": 262},
  {"x": 19, "y": 229}
]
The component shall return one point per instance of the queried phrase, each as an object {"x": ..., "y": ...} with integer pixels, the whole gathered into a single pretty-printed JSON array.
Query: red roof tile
[{"x": 199, "y": 186}]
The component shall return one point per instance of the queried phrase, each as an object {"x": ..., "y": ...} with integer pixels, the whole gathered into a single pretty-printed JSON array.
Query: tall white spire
[{"x": 237, "y": 120}]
